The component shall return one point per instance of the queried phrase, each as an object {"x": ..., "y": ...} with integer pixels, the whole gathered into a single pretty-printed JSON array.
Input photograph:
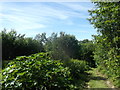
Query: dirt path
[{"x": 98, "y": 80}]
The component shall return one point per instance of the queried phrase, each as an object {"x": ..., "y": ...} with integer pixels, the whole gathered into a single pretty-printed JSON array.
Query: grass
[
  {"x": 97, "y": 84},
  {"x": 97, "y": 80}
]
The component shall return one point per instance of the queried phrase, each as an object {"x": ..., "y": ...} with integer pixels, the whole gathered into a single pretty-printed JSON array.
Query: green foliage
[
  {"x": 4, "y": 63},
  {"x": 63, "y": 47},
  {"x": 41, "y": 38},
  {"x": 78, "y": 70},
  {"x": 39, "y": 71},
  {"x": 14, "y": 44},
  {"x": 36, "y": 72},
  {"x": 105, "y": 17},
  {"x": 78, "y": 67},
  {"x": 86, "y": 51}
]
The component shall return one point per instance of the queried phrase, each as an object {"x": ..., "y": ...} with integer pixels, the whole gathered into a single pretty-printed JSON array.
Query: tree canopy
[
  {"x": 14, "y": 44},
  {"x": 106, "y": 18}
]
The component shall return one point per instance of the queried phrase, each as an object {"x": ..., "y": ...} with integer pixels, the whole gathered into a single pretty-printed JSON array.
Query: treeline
[
  {"x": 14, "y": 44},
  {"x": 61, "y": 46},
  {"x": 106, "y": 18}
]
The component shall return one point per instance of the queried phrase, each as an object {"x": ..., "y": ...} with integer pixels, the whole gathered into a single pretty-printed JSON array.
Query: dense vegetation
[
  {"x": 61, "y": 47},
  {"x": 60, "y": 61},
  {"x": 56, "y": 69},
  {"x": 55, "y": 66},
  {"x": 39, "y": 71},
  {"x": 86, "y": 51},
  {"x": 106, "y": 18},
  {"x": 14, "y": 44}
]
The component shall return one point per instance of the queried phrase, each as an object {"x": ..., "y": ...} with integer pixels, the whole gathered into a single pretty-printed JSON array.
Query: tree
[
  {"x": 63, "y": 47},
  {"x": 106, "y": 18},
  {"x": 49, "y": 44},
  {"x": 14, "y": 44},
  {"x": 41, "y": 38}
]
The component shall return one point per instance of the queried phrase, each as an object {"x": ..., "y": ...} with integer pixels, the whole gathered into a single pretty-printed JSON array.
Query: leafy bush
[
  {"x": 78, "y": 70},
  {"x": 78, "y": 66},
  {"x": 36, "y": 72},
  {"x": 86, "y": 51}
]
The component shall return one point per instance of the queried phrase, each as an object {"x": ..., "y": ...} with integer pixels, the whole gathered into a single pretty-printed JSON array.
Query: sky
[{"x": 32, "y": 18}]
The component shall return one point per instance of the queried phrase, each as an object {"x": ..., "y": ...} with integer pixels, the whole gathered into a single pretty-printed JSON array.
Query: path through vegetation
[{"x": 98, "y": 80}]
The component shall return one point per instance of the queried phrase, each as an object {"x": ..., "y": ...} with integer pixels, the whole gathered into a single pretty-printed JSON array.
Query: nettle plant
[{"x": 36, "y": 72}]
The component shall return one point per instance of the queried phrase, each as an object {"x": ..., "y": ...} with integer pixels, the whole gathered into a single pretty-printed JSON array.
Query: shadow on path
[
  {"x": 98, "y": 78},
  {"x": 99, "y": 81}
]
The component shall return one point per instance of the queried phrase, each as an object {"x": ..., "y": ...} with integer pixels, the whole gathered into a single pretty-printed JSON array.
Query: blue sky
[{"x": 31, "y": 18}]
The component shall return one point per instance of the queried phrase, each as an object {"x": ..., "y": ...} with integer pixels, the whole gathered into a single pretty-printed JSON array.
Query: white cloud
[
  {"x": 76, "y": 6},
  {"x": 20, "y": 23},
  {"x": 31, "y": 26},
  {"x": 33, "y": 18},
  {"x": 38, "y": 14}
]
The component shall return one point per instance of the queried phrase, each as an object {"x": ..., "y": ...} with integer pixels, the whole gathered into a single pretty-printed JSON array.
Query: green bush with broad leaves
[
  {"x": 78, "y": 70},
  {"x": 36, "y": 72},
  {"x": 78, "y": 66},
  {"x": 105, "y": 17}
]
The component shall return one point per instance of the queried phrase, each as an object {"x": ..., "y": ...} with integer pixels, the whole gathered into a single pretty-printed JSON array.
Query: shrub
[
  {"x": 78, "y": 70},
  {"x": 36, "y": 72},
  {"x": 78, "y": 66}
]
